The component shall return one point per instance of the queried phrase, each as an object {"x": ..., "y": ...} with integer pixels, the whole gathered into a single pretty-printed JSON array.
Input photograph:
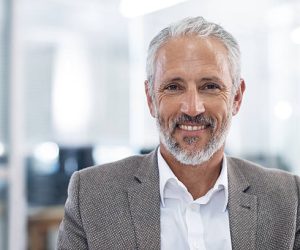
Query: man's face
[{"x": 193, "y": 98}]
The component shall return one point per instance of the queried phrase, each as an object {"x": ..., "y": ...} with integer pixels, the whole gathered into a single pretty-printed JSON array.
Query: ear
[
  {"x": 237, "y": 102},
  {"x": 149, "y": 99}
]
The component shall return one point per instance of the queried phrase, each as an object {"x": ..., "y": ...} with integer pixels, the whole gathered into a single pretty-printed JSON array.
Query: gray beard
[{"x": 188, "y": 157}]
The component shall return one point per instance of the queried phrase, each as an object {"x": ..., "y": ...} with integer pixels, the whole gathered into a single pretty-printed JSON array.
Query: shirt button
[{"x": 194, "y": 207}]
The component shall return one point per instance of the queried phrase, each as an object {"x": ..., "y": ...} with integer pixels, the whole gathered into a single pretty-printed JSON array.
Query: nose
[{"x": 192, "y": 104}]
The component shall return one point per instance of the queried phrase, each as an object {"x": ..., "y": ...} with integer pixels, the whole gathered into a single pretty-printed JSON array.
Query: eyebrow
[
  {"x": 174, "y": 79},
  {"x": 213, "y": 78}
]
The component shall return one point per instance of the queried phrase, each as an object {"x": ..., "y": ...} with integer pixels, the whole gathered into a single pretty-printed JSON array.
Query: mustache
[{"x": 198, "y": 120}]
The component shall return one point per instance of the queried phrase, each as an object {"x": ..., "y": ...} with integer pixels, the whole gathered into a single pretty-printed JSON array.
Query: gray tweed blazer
[{"x": 117, "y": 206}]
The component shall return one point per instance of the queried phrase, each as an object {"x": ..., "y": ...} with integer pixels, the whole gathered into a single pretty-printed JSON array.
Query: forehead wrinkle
[
  {"x": 211, "y": 55},
  {"x": 184, "y": 75}
]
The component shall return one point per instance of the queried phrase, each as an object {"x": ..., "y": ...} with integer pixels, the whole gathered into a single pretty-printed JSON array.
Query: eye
[
  {"x": 211, "y": 86},
  {"x": 172, "y": 87}
]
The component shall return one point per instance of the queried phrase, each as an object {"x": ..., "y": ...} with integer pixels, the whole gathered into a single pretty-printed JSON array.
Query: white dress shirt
[{"x": 193, "y": 224}]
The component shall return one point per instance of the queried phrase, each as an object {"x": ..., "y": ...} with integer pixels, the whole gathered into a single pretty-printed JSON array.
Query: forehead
[{"x": 192, "y": 52}]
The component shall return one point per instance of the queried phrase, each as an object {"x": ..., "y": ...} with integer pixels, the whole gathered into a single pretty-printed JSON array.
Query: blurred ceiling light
[
  {"x": 295, "y": 35},
  {"x": 283, "y": 110},
  {"x": 134, "y": 8},
  {"x": 46, "y": 152}
]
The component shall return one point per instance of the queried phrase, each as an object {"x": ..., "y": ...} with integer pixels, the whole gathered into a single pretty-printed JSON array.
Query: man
[{"x": 186, "y": 194}]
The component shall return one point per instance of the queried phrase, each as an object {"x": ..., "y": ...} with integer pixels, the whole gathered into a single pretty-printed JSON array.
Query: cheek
[
  {"x": 218, "y": 110},
  {"x": 167, "y": 109},
  {"x": 165, "y": 104}
]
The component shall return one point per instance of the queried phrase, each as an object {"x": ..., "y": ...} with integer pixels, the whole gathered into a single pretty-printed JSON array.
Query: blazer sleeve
[
  {"x": 297, "y": 235},
  {"x": 71, "y": 234}
]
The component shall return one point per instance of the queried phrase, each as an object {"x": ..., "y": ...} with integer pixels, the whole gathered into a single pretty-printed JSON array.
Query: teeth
[{"x": 191, "y": 128}]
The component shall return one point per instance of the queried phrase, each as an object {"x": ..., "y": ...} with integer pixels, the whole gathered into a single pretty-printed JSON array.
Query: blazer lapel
[
  {"x": 242, "y": 208},
  {"x": 144, "y": 202}
]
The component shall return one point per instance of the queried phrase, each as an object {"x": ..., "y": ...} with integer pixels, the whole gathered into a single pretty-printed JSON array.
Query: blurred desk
[{"x": 40, "y": 223}]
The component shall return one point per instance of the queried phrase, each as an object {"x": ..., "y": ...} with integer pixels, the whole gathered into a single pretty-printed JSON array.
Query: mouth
[{"x": 192, "y": 127}]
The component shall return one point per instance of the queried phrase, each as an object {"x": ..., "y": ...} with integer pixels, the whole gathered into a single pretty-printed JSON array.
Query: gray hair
[{"x": 200, "y": 27}]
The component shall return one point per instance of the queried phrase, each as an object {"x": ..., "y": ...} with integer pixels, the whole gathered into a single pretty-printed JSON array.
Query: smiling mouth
[{"x": 192, "y": 127}]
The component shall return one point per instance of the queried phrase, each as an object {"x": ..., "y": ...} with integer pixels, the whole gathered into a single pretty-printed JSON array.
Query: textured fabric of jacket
[{"x": 117, "y": 206}]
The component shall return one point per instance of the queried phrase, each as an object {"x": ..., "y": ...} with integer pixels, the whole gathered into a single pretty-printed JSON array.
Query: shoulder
[
  {"x": 127, "y": 164},
  {"x": 262, "y": 177},
  {"x": 109, "y": 183},
  {"x": 121, "y": 169},
  {"x": 118, "y": 173}
]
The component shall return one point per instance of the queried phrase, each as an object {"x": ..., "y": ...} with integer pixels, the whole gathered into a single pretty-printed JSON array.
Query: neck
[{"x": 198, "y": 179}]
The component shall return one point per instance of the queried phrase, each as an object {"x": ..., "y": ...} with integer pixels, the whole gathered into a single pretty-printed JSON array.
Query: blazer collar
[
  {"x": 242, "y": 208},
  {"x": 144, "y": 203}
]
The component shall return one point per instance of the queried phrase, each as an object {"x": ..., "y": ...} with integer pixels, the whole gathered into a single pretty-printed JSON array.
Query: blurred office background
[{"x": 72, "y": 94}]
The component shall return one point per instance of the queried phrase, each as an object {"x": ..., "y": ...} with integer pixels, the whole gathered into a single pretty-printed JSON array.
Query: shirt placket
[{"x": 194, "y": 225}]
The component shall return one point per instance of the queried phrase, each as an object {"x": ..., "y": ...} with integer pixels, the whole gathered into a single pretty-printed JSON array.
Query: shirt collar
[{"x": 166, "y": 175}]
